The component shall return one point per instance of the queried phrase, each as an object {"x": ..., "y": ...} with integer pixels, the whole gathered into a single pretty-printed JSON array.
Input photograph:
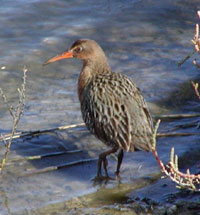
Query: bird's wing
[{"x": 120, "y": 114}]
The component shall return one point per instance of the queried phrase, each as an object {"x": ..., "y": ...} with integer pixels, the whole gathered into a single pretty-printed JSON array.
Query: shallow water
[{"x": 143, "y": 39}]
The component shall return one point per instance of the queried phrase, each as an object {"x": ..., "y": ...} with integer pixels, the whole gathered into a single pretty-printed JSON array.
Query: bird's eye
[{"x": 78, "y": 49}]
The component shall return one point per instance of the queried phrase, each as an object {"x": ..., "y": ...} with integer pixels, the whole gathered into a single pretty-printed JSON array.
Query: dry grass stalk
[
  {"x": 196, "y": 42},
  {"x": 38, "y": 132},
  {"x": 66, "y": 127},
  {"x": 196, "y": 86},
  {"x": 183, "y": 180},
  {"x": 176, "y": 116},
  {"x": 186, "y": 58},
  {"x": 16, "y": 114},
  {"x": 61, "y": 166},
  {"x": 196, "y": 39},
  {"x": 22, "y": 134}
]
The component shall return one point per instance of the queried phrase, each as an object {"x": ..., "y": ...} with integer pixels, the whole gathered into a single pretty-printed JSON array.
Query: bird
[{"x": 112, "y": 106}]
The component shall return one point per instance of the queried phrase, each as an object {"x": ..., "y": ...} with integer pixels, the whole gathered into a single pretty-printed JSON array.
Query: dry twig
[
  {"x": 175, "y": 134},
  {"x": 186, "y": 58},
  {"x": 36, "y": 157},
  {"x": 196, "y": 42},
  {"x": 196, "y": 86},
  {"x": 17, "y": 135},
  {"x": 177, "y": 116},
  {"x": 196, "y": 39},
  {"x": 65, "y": 165},
  {"x": 38, "y": 132},
  {"x": 16, "y": 114}
]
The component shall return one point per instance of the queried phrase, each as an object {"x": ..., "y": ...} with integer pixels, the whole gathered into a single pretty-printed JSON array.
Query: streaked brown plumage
[{"x": 113, "y": 108}]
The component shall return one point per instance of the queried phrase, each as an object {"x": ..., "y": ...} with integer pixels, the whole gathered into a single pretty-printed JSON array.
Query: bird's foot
[
  {"x": 100, "y": 179},
  {"x": 117, "y": 174}
]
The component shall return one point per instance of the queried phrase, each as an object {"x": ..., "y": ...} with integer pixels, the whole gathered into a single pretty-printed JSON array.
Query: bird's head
[{"x": 84, "y": 49}]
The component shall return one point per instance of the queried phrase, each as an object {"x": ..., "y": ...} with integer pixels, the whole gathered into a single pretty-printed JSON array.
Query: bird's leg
[
  {"x": 120, "y": 158},
  {"x": 102, "y": 158},
  {"x": 105, "y": 164},
  {"x": 99, "y": 167}
]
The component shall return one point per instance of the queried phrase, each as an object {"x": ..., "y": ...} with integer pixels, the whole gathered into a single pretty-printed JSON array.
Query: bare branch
[
  {"x": 9, "y": 107},
  {"x": 16, "y": 114},
  {"x": 186, "y": 58}
]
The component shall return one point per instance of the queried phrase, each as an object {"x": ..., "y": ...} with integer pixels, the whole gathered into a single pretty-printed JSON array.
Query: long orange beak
[{"x": 67, "y": 54}]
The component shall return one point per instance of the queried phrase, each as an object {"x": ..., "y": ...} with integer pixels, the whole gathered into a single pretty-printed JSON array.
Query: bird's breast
[
  {"x": 114, "y": 110},
  {"x": 83, "y": 82}
]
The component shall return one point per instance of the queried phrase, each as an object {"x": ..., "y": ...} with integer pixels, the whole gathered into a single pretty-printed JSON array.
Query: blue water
[{"x": 144, "y": 39}]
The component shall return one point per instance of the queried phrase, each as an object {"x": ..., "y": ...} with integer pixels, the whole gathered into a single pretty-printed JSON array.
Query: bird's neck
[{"x": 88, "y": 73}]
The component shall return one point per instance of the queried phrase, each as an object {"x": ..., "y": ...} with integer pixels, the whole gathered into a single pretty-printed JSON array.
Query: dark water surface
[{"x": 144, "y": 40}]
